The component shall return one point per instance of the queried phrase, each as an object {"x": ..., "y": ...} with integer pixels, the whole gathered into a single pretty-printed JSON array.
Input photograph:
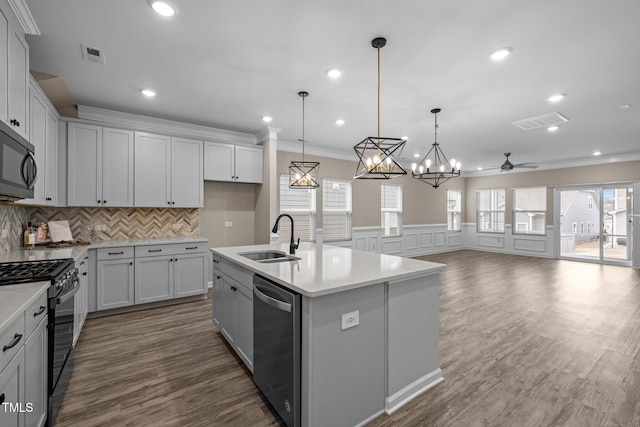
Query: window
[
  {"x": 582, "y": 228},
  {"x": 391, "y": 209},
  {"x": 574, "y": 228},
  {"x": 490, "y": 211},
  {"x": 301, "y": 205},
  {"x": 454, "y": 209},
  {"x": 590, "y": 202},
  {"x": 530, "y": 210},
  {"x": 336, "y": 210}
]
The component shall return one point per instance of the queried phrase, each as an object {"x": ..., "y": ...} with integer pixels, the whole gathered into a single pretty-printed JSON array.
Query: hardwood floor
[{"x": 524, "y": 342}]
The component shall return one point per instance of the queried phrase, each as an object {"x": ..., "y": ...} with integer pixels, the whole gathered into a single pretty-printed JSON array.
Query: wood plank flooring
[{"x": 524, "y": 342}]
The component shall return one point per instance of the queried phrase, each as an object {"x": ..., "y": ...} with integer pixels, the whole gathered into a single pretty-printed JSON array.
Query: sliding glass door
[{"x": 594, "y": 223}]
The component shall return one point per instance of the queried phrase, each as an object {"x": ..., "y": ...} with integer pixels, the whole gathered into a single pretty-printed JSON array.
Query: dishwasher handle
[{"x": 273, "y": 302}]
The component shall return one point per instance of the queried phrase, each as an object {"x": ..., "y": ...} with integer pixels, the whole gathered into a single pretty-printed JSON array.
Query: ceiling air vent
[
  {"x": 93, "y": 54},
  {"x": 544, "y": 120}
]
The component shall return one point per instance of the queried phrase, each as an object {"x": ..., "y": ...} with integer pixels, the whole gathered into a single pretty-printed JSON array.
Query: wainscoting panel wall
[{"x": 540, "y": 246}]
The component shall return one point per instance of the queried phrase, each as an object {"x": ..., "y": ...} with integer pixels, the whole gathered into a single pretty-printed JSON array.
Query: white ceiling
[{"x": 227, "y": 63}]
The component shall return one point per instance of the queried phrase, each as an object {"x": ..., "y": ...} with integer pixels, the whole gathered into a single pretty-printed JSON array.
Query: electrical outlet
[
  {"x": 5, "y": 233},
  {"x": 100, "y": 227},
  {"x": 228, "y": 223},
  {"x": 177, "y": 226},
  {"x": 349, "y": 320}
]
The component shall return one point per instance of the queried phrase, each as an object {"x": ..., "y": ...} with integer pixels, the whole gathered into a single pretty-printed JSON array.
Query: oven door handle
[{"x": 66, "y": 297}]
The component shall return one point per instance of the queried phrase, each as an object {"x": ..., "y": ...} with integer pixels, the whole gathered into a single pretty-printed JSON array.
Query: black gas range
[{"x": 64, "y": 284}]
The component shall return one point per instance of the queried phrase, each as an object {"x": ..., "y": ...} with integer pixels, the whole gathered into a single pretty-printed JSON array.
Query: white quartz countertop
[
  {"x": 325, "y": 269},
  {"x": 14, "y": 299},
  {"x": 75, "y": 252}
]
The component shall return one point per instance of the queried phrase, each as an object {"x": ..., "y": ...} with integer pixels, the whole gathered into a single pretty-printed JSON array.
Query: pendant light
[
  {"x": 303, "y": 174},
  {"x": 434, "y": 168},
  {"x": 378, "y": 156}
]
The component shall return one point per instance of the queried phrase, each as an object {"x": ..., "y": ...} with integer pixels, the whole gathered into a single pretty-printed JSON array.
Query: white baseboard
[{"x": 408, "y": 393}]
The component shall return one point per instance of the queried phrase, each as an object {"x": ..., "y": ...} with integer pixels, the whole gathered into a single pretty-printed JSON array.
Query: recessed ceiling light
[
  {"x": 334, "y": 73},
  {"x": 597, "y": 153},
  {"x": 625, "y": 106},
  {"x": 416, "y": 155},
  {"x": 404, "y": 138},
  {"x": 501, "y": 53},
  {"x": 339, "y": 122},
  {"x": 557, "y": 97},
  {"x": 163, "y": 8},
  {"x": 266, "y": 119},
  {"x": 479, "y": 168},
  {"x": 553, "y": 128},
  {"x": 148, "y": 93}
]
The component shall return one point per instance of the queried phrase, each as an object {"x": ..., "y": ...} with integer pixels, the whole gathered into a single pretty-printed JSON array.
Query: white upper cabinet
[
  {"x": 168, "y": 171},
  {"x": 51, "y": 162},
  {"x": 14, "y": 72},
  {"x": 232, "y": 163},
  {"x": 100, "y": 166}
]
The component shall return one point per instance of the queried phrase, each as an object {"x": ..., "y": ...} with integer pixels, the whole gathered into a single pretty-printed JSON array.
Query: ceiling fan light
[
  {"x": 557, "y": 97},
  {"x": 500, "y": 54},
  {"x": 163, "y": 8}
]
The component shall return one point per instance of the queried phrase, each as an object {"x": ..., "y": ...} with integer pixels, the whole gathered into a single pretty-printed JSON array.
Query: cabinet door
[
  {"x": 154, "y": 279},
  {"x": 190, "y": 273},
  {"x": 4, "y": 71},
  {"x": 18, "y": 80},
  {"x": 219, "y": 162},
  {"x": 117, "y": 167},
  {"x": 51, "y": 167},
  {"x": 114, "y": 283},
  {"x": 245, "y": 326},
  {"x": 152, "y": 170},
  {"x": 38, "y": 132},
  {"x": 12, "y": 391},
  {"x": 187, "y": 182},
  {"x": 248, "y": 164},
  {"x": 84, "y": 187},
  {"x": 230, "y": 311},
  {"x": 36, "y": 376},
  {"x": 217, "y": 298}
]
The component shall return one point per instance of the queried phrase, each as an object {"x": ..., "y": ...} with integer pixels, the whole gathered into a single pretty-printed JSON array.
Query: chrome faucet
[{"x": 292, "y": 245}]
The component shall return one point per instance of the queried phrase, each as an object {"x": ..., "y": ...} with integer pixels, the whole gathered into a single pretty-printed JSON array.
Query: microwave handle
[{"x": 30, "y": 181}]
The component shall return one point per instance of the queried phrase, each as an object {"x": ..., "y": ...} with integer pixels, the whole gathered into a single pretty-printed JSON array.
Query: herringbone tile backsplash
[
  {"x": 13, "y": 219},
  {"x": 122, "y": 223}
]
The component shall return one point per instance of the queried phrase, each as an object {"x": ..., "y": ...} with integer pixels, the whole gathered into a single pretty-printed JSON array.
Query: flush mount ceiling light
[
  {"x": 334, "y": 73},
  {"x": 148, "y": 93},
  {"x": 434, "y": 168},
  {"x": 303, "y": 174},
  {"x": 501, "y": 53},
  {"x": 597, "y": 153},
  {"x": 163, "y": 8},
  {"x": 557, "y": 97},
  {"x": 339, "y": 122},
  {"x": 553, "y": 128},
  {"x": 377, "y": 155},
  {"x": 266, "y": 119}
]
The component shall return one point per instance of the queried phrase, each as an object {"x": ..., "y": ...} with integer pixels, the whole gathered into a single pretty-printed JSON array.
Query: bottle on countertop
[{"x": 29, "y": 237}]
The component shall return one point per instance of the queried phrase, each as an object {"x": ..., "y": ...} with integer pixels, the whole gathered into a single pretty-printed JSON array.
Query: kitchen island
[{"x": 384, "y": 356}]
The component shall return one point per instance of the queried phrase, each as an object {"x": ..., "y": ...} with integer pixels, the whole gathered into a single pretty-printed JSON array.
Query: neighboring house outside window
[
  {"x": 530, "y": 210},
  {"x": 301, "y": 205},
  {"x": 590, "y": 203},
  {"x": 490, "y": 210},
  {"x": 454, "y": 210},
  {"x": 336, "y": 210},
  {"x": 391, "y": 209}
]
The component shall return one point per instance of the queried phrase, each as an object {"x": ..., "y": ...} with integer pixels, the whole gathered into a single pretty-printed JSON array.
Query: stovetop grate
[{"x": 30, "y": 271}]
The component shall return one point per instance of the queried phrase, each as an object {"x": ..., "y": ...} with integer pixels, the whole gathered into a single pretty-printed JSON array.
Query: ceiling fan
[{"x": 507, "y": 166}]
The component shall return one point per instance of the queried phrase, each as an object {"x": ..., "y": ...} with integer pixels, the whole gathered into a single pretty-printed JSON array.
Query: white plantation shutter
[
  {"x": 391, "y": 209},
  {"x": 336, "y": 210},
  {"x": 301, "y": 205}
]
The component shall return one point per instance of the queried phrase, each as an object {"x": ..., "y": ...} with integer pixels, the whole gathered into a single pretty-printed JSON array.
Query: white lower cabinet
[
  {"x": 154, "y": 279},
  {"x": 12, "y": 392},
  {"x": 81, "y": 300},
  {"x": 233, "y": 310},
  {"x": 114, "y": 283},
  {"x": 190, "y": 274},
  {"x": 36, "y": 376}
]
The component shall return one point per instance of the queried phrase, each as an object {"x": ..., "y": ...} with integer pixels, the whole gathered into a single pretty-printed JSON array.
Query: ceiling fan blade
[{"x": 525, "y": 165}]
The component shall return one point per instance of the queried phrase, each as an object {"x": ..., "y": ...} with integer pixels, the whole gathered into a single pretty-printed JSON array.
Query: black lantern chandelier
[
  {"x": 377, "y": 156},
  {"x": 434, "y": 168},
  {"x": 303, "y": 174}
]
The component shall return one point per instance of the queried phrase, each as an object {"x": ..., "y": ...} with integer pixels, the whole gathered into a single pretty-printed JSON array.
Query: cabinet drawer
[
  {"x": 115, "y": 253},
  {"x": 12, "y": 340},
  {"x": 34, "y": 314},
  {"x": 188, "y": 248},
  {"x": 171, "y": 249},
  {"x": 239, "y": 274},
  {"x": 216, "y": 261}
]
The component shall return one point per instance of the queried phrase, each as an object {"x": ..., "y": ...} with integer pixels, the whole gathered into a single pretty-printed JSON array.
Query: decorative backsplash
[
  {"x": 122, "y": 223},
  {"x": 13, "y": 219}
]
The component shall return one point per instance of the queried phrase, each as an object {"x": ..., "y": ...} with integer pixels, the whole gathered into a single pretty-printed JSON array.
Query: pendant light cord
[
  {"x": 378, "y": 101},
  {"x": 303, "y": 129},
  {"x": 435, "y": 129}
]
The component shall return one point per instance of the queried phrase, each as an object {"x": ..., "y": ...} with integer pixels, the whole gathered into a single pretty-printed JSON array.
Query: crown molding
[
  {"x": 22, "y": 12},
  {"x": 315, "y": 151},
  {"x": 267, "y": 133},
  {"x": 152, "y": 124}
]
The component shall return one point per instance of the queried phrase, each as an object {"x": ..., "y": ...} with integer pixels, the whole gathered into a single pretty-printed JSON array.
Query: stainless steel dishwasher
[{"x": 276, "y": 347}]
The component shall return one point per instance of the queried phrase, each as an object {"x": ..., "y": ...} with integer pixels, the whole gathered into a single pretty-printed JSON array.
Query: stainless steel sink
[{"x": 269, "y": 256}]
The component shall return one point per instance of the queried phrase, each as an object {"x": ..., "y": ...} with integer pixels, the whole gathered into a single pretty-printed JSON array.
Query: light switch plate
[
  {"x": 228, "y": 223},
  {"x": 349, "y": 320},
  {"x": 5, "y": 233}
]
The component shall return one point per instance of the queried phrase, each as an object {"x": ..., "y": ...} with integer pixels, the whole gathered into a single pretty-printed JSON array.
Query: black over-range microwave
[{"x": 18, "y": 169}]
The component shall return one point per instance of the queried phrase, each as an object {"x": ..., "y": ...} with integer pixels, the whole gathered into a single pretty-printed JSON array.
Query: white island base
[{"x": 351, "y": 376}]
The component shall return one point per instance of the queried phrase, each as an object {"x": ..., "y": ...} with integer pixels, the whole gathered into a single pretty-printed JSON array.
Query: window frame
[
  {"x": 398, "y": 210},
  {"x": 450, "y": 211},
  {"x": 312, "y": 212},
  {"x": 532, "y": 212},
  {"x": 327, "y": 183},
  {"x": 490, "y": 212}
]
